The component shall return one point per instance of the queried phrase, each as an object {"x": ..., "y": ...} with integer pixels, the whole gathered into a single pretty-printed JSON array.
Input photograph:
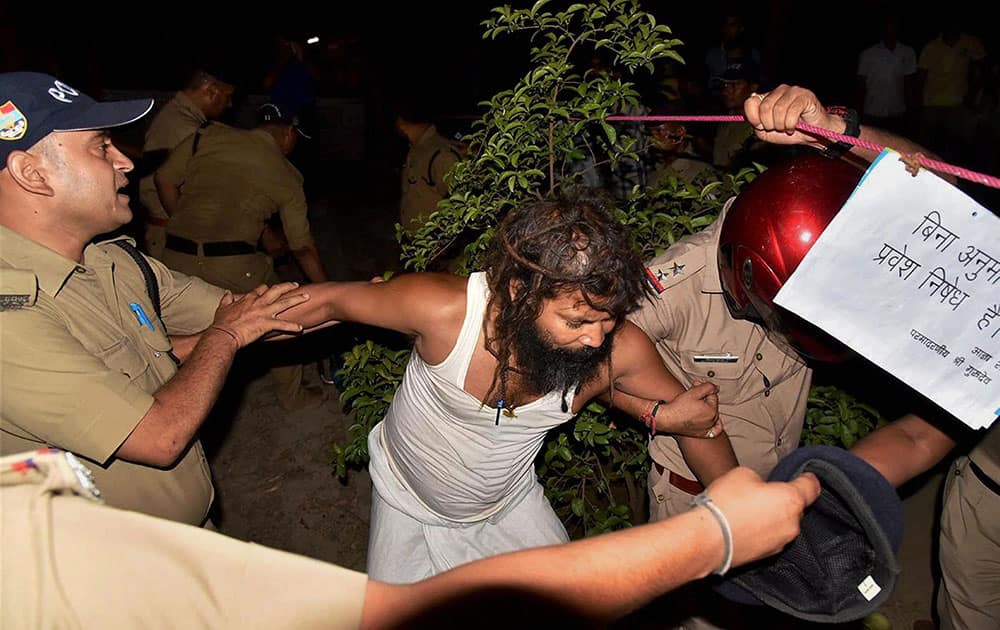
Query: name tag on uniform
[{"x": 716, "y": 358}]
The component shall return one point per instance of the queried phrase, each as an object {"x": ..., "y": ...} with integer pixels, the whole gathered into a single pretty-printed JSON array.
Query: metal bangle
[{"x": 703, "y": 500}]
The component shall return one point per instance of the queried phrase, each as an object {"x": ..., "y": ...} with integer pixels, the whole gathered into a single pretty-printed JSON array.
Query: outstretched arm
[
  {"x": 182, "y": 404},
  {"x": 217, "y": 581},
  {"x": 429, "y": 306},
  {"x": 599, "y": 579},
  {"x": 903, "y": 449}
]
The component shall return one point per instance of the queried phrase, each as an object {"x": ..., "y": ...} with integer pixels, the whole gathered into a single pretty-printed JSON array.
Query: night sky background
[
  {"x": 368, "y": 47},
  {"x": 369, "y": 50}
]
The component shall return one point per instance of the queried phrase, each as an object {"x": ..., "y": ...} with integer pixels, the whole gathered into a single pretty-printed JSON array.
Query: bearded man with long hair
[{"x": 500, "y": 358}]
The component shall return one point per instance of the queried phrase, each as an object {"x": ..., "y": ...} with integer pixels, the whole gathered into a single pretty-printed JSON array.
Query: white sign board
[{"x": 908, "y": 275}]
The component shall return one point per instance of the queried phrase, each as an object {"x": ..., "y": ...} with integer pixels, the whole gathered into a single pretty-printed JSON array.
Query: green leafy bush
[
  {"x": 837, "y": 418},
  {"x": 371, "y": 374}
]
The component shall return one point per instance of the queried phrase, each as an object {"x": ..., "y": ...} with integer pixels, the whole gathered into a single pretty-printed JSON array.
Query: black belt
[
  {"x": 986, "y": 479},
  {"x": 216, "y": 248}
]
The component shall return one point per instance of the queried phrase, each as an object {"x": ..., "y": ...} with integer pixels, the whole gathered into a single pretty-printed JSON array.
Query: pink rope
[{"x": 935, "y": 165}]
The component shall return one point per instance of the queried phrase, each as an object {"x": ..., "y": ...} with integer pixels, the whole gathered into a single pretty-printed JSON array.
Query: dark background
[
  {"x": 369, "y": 51},
  {"x": 368, "y": 47}
]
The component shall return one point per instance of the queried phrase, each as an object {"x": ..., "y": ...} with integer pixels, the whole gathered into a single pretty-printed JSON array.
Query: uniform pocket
[
  {"x": 124, "y": 357},
  {"x": 710, "y": 366}
]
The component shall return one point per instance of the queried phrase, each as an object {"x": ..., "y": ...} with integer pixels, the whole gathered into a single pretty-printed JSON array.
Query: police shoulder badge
[
  {"x": 655, "y": 279},
  {"x": 18, "y": 289},
  {"x": 13, "y": 124}
]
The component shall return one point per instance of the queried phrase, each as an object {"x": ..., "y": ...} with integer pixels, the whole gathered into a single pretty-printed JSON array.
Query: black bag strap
[
  {"x": 430, "y": 163},
  {"x": 152, "y": 286}
]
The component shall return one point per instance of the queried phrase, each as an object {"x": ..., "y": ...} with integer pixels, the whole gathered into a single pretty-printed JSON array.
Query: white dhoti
[{"x": 408, "y": 542}]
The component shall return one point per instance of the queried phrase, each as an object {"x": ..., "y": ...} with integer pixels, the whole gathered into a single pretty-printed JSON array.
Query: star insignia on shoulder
[{"x": 677, "y": 269}]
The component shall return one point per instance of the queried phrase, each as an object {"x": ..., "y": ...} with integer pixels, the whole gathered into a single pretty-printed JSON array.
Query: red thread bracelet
[{"x": 649, "y": 416}]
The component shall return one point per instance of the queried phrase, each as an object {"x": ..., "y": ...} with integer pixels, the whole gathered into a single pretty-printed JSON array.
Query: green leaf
[
  {"x": 537, "y": 6},
  {"x": 610, "y": 132}
]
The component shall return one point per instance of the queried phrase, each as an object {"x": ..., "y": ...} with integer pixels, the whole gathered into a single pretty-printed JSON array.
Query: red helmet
[{"x": 766, "y": 233}]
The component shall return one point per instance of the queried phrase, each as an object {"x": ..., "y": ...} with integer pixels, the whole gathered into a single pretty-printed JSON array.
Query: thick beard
[{"x": 556, "y": 369}]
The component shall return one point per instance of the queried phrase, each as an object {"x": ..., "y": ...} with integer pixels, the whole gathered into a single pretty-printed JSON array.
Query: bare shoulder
[
  {"x": 440, "y": 294},
  {"x": 414, "y": 304},
  {"x": 439, "y": 284},
  {"x": 632, "y": 351},
  {"x": 441, "y": 301},
  {"x": 629, "y": 340}
]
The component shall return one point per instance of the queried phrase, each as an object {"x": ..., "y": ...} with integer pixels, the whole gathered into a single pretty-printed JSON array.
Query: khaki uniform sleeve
[
  {"x": 58, "y": 392},
  {"x": 174, "y": 168},
  {"x": 188, "y": 303},
  {"x": 654, "y": 318},
  {"x": 169, "y": 136},
  {"x": 291, "y": 199},
  {"x": 70, "y": 568}
]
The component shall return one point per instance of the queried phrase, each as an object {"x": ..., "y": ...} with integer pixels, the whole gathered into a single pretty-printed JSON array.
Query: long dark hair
[{"x": 544, "y": 249}]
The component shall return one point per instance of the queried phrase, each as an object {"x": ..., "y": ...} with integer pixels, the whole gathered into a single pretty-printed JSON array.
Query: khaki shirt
[
  {"x": 423, "y": 185},
  {"x": 236, "y": 181},
  {"x": 70, "y": 562},
  {"x": 762, "y": 391},
  {"x": 986, "y": 454},
  {"x": 78, "y": 371},
  {"x": 176, "y": 120}
]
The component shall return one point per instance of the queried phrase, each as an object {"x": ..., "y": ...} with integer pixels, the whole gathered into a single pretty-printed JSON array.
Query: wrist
[
  {"x": 846, "y": 123},
  {"x": 648, "y": 417},
  {"x": 704, "y": 501},
  {"x": 700, "y": 525},
  {"x": 221, "y": 331}
]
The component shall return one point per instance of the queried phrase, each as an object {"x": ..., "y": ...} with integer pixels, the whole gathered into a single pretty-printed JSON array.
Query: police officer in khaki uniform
[
  {"x": 970, "y": 539},
  {"x": 707, "y": 324},
  {"x": 62, "y": 569},
  {"x": 87, "y": 363},
  {"x": 220, "y": 187},
  {"x": 430, "y": 158},
  {"x": 907, "y": 447},
  {"x": 204, "y": 98},
  {"x": 762, "y": 388}
]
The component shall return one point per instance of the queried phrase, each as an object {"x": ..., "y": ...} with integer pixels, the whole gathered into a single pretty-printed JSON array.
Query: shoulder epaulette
[
  {"x": 18, "y": 289},
  {"x": 663, "y": 274}
]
